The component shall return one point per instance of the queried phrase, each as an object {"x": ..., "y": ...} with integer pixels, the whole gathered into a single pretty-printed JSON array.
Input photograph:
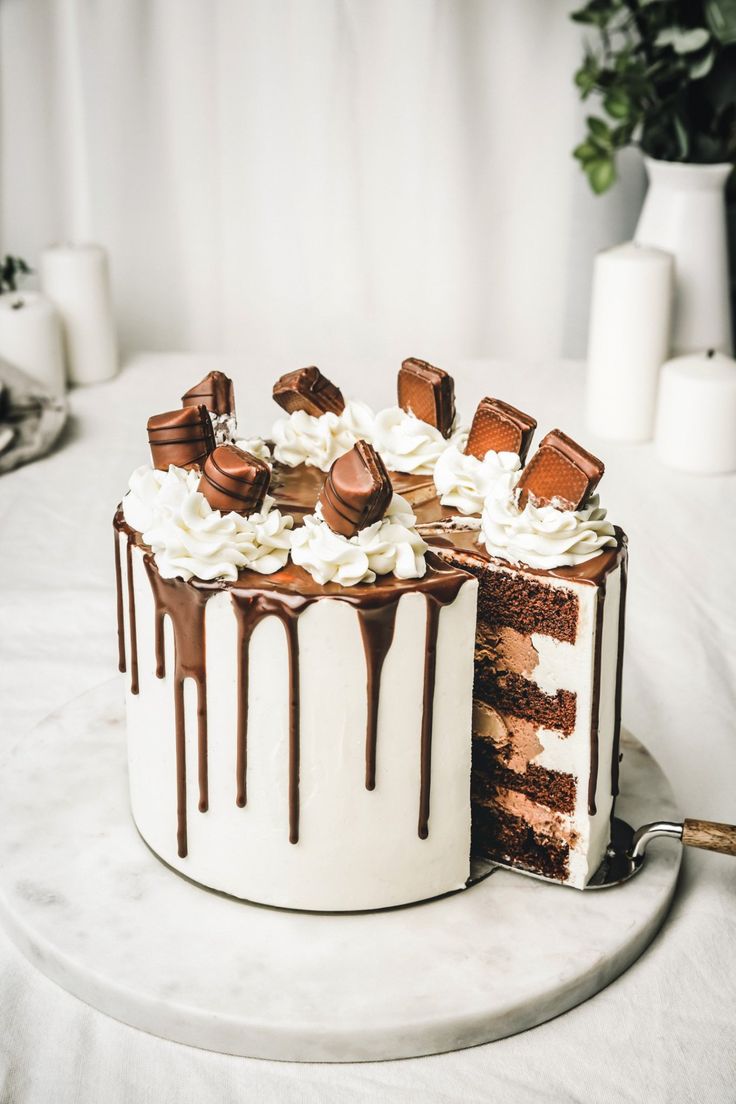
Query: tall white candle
[
  {"x": 76, "y": 279},
  {"x": 30, "y": 338},
  {"x": 696, "y": 419},
  {"x": 629, "y": 340}
]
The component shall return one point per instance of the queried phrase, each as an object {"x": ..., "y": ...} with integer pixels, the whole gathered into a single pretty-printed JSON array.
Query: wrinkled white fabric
[
  {"x": 302, "y": 438},
  {"x": 463, "y": 481},
  {"x": 191, "y": 540},
  {"x": 390, "y": 546}
]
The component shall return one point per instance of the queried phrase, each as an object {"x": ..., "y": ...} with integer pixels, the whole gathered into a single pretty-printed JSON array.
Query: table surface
[{"x": 665, "y": 1030}]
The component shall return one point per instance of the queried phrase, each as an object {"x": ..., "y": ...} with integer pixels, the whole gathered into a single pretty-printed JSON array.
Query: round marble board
[{"x": 90, "y": 906}]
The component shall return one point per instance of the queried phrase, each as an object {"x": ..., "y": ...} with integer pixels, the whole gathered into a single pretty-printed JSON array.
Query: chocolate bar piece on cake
[
  {"x": 561, "y": 473},
  {"x": 181, "y": 437},
  {"x": 307, "y": 389},
  {"x": 428, "y": 393},
  {"x": 215, "y": 391},
  {"x": 357, "y": 491},
  {"x": 234, "y": 480},
  {"x": 499, "y": 427}
]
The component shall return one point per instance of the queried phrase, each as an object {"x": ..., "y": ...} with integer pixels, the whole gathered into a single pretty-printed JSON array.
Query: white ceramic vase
[{"x": 684, "y": 212}]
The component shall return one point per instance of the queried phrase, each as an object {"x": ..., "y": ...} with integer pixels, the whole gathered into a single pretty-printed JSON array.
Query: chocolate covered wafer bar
[
  {"x": 357, "y": 490},
  {"x": 215, "y": 391},
  {"x": 233, "y": 479},
  {"x": 428, "y": 393},
  {"x": 181, "y": 437},
  {"x": 561, "y": 473},
  {"x": 500, "y": 427},
  {"x": 307, "y": 389}
]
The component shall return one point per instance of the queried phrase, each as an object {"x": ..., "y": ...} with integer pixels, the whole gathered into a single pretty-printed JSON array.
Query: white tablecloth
[{"x": 665, "y": 1031}]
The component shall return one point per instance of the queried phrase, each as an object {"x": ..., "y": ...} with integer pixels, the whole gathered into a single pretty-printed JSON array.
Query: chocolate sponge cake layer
[
  {"x": 556, "y": 790},
  {"x": 501, "y": 836},
  {"x": 508, "y": 598},
  {"x": 511, "y": 693}
]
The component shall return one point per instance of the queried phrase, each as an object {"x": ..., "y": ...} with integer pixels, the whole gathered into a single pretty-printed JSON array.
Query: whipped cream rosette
[
  {"x": 464, "y": 482},
  {"x": 191, "y": 540},
  {"x": 303, "y": 438}
]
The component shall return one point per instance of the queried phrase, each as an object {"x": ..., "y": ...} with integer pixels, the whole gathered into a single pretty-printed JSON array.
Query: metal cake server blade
[{"x": 628, "y": 848}]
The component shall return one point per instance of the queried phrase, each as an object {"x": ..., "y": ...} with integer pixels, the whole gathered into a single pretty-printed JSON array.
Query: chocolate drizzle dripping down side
[
  {"x": 615, "y": 755},
  {"x": 131, "y": 618},
  {"x": 377, "y": 630},
  {"x": 430, "y": 665},
  {"x": 596, "y": 703},
  {"x": 251, "y": 607},
  {"x": 185, "y": 606},
  {"x": 119, "y": 526}
]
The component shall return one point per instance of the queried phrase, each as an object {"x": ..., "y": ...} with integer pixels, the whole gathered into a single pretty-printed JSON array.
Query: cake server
[{"x": 628, "y": 848}]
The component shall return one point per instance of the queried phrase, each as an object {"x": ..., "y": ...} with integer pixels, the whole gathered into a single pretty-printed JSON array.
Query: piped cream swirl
[
  {"x": 389, "y": 546},
  {"x": 190, "y": 539},
  {"x": 543, "y": 536},
  {"x": 407, "y": 444},
  {"x": 464, "y": 482},
  {"x": 301, "y": 438}
]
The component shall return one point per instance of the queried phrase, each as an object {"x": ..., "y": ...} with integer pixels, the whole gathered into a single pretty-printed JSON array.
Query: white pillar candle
[
  {"x": 30, "y": 338},
  {"x": 629, "y": 340},
  {"x": 76, "y": 279},
  {"x": 696, "y": 418}
]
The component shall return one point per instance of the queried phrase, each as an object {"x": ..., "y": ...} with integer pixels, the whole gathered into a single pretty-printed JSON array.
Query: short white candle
[
  {"x": 696, "y": 418},
  {"x": 629, "y": 340},
  {"x": 30, "y": 338},
  {"x": 76, "y": 279}
]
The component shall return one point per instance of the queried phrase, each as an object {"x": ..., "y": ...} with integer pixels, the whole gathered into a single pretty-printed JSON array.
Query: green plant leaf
[
  {"x": 683, "y": 41},
  {"x": 598, "y": 128},
  {"x": 618, "y": 104},
  {"x": 720, "y": 15},
  {"x": 585, "y": 152},
  {"x": 700, "y": 67},
  {"x": 683, "y": 139},
  {"x": 601, "y": 175}
]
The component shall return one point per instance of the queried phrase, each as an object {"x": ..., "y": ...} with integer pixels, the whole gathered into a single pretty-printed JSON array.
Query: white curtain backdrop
[{"x": 311, "y": 179}]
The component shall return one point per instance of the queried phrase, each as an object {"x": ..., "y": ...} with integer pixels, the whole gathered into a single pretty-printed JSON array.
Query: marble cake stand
[{"x": 93, "y": 909}]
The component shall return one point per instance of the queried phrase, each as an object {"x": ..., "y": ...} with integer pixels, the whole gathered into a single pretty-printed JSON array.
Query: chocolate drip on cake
[
  {"x": 131, "y": 619},
  {"x": 185, "y": 606},
  {"x": 377, "y": 630},
  {"x": 616, "y": 753},
  {"x": 430, "y": 665},
  {"x": 119, "y": 526}
]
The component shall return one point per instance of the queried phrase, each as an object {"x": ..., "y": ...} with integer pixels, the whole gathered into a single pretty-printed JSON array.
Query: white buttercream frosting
[
  {"x": 543, "y": 536},
  {"x": 389, "y": 546},
  {"x": 407, "y": 444},
  {"x": 190, "y": 539},
  {"x": 464, "y": 482},
  {"x": 301, "y": 438},
  {"x": 256, "y": 446}
]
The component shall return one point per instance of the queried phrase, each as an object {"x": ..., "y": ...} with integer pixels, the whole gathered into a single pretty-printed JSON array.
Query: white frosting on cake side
[
  {"x": 190, "y": 539},
  {"x": 389, "y": 546},
  {"x": 301, "y": 438},
  {"x": 464, "y": 482}
]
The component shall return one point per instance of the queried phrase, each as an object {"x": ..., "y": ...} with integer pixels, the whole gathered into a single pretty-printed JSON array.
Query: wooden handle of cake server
[{"x": 710, "y": 836}]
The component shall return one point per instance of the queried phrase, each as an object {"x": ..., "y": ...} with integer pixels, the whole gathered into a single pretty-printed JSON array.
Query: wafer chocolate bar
[
  {"x": 215, "y": 391},
  {"x": 561, "y": 473},
  {"x": 428, "y": 393},
  {"x": 500, "y": 427},
  {"x": 233, "y": 479},
  {"x": 357, "y": 490},
  {"x": 181, "y": 437},
  {"x": 307, "y": 389}
]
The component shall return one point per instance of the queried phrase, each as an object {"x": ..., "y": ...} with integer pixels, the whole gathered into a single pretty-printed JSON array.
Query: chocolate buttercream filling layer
[{"x": 285, "y": 595}]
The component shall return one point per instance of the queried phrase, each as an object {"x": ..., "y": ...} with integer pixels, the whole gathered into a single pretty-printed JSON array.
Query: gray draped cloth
[{"x": 31, "y": 418}]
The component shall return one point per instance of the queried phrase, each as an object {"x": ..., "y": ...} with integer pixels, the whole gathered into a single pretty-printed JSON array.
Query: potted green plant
[{"x": 663, "y": 73}]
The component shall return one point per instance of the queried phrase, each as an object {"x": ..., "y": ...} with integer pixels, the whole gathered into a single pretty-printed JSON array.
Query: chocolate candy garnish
[
  {"x": 561, "y": 473},
  {"x": 500, "y": 427},
  {"x": 307, "y": 389},
  {"x": 215, "y": 391},
  {"x": 357, "y": 490},
  {"x": 234, "y": 480},
  {"x": 428, "y": 393},
  {"x": 181, "y": 437}
]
